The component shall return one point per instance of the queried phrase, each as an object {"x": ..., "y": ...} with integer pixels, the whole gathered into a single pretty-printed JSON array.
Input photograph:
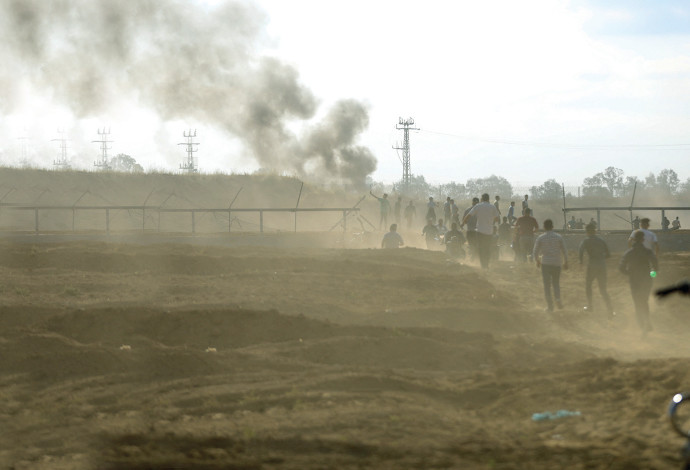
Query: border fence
[{"x": 38, "y": 209}]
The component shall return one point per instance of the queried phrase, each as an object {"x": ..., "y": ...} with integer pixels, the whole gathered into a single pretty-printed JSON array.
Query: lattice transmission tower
[
  {"x": 61, "y": 162},
  {"x": 405, "y": 125},
  {"x": 191, "y": 164},
  {"x": 103, "y": 162}
]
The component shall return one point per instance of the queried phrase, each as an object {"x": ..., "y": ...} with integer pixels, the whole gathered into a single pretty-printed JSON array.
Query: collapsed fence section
[{"x": 193, "y": 214}]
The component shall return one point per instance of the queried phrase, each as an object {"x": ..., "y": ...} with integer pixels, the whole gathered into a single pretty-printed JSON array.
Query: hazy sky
[{"x": 528, "y": 90}]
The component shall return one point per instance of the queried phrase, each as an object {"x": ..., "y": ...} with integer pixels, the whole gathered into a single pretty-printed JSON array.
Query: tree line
[{"x": 607, "y": 184}]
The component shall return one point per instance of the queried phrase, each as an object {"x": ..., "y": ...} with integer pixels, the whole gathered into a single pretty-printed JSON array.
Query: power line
[{"x": 526, "y": 143}]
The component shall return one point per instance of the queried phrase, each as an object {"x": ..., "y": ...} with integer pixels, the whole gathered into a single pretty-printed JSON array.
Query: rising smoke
[{"x": 182, "y": 60}]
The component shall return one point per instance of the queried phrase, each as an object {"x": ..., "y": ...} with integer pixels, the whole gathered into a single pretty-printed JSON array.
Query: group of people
[{"x": 548, "y": 250}]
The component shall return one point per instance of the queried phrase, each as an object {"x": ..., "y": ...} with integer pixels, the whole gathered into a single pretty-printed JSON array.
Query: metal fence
[{"x": 38, "y": 210}]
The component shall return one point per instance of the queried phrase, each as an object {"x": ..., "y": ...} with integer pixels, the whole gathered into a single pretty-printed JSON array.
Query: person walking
[
  {"x": 511, "y": 213},
  {"x": 396, "y": 210},
  {"x": 640, "y": 264},
  {"x": 471, "y": 223},
  {"x": 446, "y": 212},
  {"x": 525, "y": 203},
  {"x": 651, "y": 242},
  {"x": 431, "y": 209},
  {"x": 410, "y": 213},
  {"x": 384, "y": 207},
  {"x": 392, "y": 239},
  {"x": 597, "y": 253},
  {"x": 525, "y": 228},
  {"x": 487, "y": 215},
  {"x": 550, "y": 254},
  {"x": 454, "y": 212}
]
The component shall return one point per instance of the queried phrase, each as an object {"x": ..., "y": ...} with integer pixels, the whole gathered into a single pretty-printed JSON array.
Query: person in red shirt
[{"x": 525, "y": 227}]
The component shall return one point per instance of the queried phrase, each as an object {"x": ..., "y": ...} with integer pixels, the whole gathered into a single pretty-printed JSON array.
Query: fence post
[
  {"x": 73, "y": 217},
  {"x": 261, "y": 221}
]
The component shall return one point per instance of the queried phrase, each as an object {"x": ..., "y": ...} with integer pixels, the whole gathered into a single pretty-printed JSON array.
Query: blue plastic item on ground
[{"x": 558, "y": 414}]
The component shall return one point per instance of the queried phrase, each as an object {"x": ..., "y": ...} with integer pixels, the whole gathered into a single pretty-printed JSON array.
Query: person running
[
  {"x": 446, "y": 212},
  {"x": 525, "y": 228},
  {"x": 392, "y": 239},
  {"x": 396, "y": 210},
  {"x": 431, "y": 209},
  {"x": 551, "y": 255},
  {"x": 597, "y": 252},
  {"x": 384, "y": 207},
  {"x": 511, "y": 213},
  {"x": 637, "y": 263},
  {"x": 410, "y": 214},
  {"x": 650, "y": 240},
  {"x": 486, "y": 215},
  {"x": 430, "y": 232},
  {"x": 454, "y": 241}
]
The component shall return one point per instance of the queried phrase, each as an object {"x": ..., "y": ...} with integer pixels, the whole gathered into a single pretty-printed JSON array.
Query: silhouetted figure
[
  {"x": 651, "y": 241},
  {"x": 525, "y": 228},
  {"x": 486, "y": 215},
  {"x": 430, "y": 232},
  {"x": 665, "y": 223},
  {"x": 511, "y": 213},
  {"x": 640, "y": 263},
  {"x": 446, "y": 212},
  {"x": 525, "y": 204},
  {"x": 636, "y": 223},
  {"x": 384, "y": 207},
  {"x": 454, "y": 241},
  {"x": 410, "y": 214},
  {"x": 431, "y": 209},
  {"x": 551, "y": 255},
  {"x": 454, "y": 212},
  {"x": 392, "y": 239},
  {"x": 505, "y": 232},
  {"x": 572, "y": 223},
  {"x": 597, "y": 253},
  {"x": 471, "y": 223},
  {"x": 675, "y": 225}
]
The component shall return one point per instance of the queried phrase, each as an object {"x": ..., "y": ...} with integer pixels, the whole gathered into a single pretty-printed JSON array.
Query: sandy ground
[{"x": 173, "y": 355}]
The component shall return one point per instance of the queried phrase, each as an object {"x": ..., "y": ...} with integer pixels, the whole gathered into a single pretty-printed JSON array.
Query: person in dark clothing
[
  {"x": 597, "y": 252},
  {"x": 454, "y": 240},
  {"x": 430, "y": 232},
  {"x": 640, "y": 264}
]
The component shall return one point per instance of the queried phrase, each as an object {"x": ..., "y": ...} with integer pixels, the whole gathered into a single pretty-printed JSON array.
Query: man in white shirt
[
  {"x": 650, "y": 240},
  {"x": 486, "y": 215}
]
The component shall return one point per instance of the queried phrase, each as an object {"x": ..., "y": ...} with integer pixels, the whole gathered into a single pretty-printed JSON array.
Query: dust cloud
[{"x": 180, "y": 60}]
